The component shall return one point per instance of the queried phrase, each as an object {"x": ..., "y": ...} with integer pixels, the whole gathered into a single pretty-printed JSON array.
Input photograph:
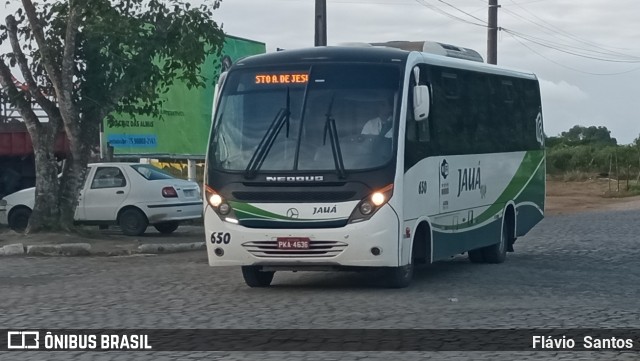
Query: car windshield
[
  {"x": 321, "y": 117},
  {"x": 150, "y": 172}
]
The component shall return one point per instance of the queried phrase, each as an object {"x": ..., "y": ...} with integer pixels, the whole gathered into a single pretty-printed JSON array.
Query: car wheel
[
  {"x": 133, "y": 222},
  {"x": 254, "y": 277},
  {"x": 19, "y": 219},
  {"x": 166, "y": 227}
]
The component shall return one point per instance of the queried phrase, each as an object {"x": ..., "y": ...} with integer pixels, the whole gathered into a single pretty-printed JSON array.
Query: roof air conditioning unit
[{"x": 432, "y": 47}]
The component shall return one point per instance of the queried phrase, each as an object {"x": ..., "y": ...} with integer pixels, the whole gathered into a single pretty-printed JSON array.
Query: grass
[
  {"x": 577, "y": 176},
  {"x": 632, "y": 191}
]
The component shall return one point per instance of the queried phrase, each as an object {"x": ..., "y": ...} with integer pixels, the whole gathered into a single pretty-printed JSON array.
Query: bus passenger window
[
  {"x": 423, "y": 131},
  {"x": 450, "y": 85}
]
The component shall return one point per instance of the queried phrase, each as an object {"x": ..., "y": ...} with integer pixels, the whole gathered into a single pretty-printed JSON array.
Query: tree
[
  {"x": 587, "y": 135},
  {"x": 85, "y": 59}
]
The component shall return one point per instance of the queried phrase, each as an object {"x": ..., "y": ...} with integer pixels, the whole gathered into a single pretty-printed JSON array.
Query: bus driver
[{"x": 383, "y": 122}]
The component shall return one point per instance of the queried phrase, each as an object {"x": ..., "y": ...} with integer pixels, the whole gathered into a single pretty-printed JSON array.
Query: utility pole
[
  {"x": 492, "y": 33},
  {"x": 321, "y": 23}
]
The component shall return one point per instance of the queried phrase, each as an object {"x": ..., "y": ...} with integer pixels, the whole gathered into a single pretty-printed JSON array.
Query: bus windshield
[{"x": 336, "y": 117}]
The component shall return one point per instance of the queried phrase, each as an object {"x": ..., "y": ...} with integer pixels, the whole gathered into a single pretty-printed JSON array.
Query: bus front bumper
[{"x": 353, "y": 245}]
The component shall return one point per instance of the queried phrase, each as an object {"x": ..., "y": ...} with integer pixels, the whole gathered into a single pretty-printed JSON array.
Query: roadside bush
[
  {"x": 576, "y": 176},
  {"x": 594, "y": 159}
]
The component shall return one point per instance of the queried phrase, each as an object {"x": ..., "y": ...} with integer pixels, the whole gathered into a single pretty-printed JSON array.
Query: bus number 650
[{"x": 220, "y": 237}]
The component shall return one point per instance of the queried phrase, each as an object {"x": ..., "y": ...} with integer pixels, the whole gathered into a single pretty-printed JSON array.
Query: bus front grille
[
  {"x": 267, "y": 249},
  {"x": 263, "y": 196}
]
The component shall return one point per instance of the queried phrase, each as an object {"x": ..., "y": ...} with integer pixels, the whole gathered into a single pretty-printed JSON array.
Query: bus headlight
[
  {"x": 219, "y": 205},
  {"x": 224, "y": 208},
  {"x": 378, "y": 199},
  {"x": 212, "y": 197},
  {"x": 370, "y": 204},
  {"x": 215, "y": 200},
  {"x": 366, "y": 208}
]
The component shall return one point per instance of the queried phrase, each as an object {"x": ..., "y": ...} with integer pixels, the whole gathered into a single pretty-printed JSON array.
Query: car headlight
[
  {"x": 3, "y": 202},
  {"x": 370, "y": 204}
]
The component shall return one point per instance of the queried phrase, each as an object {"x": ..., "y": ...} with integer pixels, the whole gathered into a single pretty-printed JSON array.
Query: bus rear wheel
[
  {"x": 497, "y": 253},
  {"x": 254, "y": 277},
  {"x": 476, "y": 255}
]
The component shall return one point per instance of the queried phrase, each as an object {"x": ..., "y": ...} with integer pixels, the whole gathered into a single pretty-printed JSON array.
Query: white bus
[{"x": 350, "y": 158}]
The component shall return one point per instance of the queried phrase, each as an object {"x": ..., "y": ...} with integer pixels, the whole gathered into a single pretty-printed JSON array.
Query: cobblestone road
[{"x": 578, "y": 270}]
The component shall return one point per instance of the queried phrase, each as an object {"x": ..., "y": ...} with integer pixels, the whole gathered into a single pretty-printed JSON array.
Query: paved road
[{"x": 578, "y": 270}]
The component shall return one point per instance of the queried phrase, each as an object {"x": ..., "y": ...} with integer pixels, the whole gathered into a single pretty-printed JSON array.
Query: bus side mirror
[{"x": 421, "y": 102}]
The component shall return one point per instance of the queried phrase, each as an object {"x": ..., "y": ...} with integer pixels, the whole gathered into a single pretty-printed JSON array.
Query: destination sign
[{"x": 282, "y": 78}]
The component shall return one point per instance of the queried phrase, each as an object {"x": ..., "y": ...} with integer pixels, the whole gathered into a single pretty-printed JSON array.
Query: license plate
[
  {"x": 189, "y": 192},
  {"x": 293, "y": 243}
]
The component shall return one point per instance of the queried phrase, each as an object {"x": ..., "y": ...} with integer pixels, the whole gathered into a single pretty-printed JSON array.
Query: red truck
[{"x": 17, "y": 166}]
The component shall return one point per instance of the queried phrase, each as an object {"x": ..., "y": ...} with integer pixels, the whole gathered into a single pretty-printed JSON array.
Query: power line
[
  {"x": 561, "y": 48},
  {"x": 554, "y": 30},
  {"x": 566, "y": 66},
  {"x": 462, "y": 11},
  {"x": 447, "y": 14},
  {"x": 588, "y": 51},
  {"x": 526, "y": 3}
]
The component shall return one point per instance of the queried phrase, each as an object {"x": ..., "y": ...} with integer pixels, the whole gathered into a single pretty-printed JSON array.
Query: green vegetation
[
  {"x": 83, "y": 60},
  {"x": 586, "y": 152}
]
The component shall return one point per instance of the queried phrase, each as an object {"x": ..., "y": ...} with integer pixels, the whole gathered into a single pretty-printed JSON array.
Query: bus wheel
[
  {"x": 497, "y": 253},
  {"x": 476, "y": 255},
  {"x": 399, "y": 277},
  {"x": 254, "y": 277}
]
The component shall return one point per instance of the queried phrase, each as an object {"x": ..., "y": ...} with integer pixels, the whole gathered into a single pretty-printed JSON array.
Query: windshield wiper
[
  {"x": 330, "y": 127},
  {"x": 258, "y": 157}
]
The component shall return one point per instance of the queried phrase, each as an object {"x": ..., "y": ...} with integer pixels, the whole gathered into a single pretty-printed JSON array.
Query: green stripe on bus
[
  {"x": 248, "y": 211},
  {"x": 530, "y": 163}
]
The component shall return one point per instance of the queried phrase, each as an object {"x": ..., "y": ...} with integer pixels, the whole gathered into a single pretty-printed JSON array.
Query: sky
[
  {"x": 596, "y": 85},
  {"x": 576, "y": 89}
]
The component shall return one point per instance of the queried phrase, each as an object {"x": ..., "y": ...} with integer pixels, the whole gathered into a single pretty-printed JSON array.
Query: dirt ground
[{"x": 570, "y": 197}]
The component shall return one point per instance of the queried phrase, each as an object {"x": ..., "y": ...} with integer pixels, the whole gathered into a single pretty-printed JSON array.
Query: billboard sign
[{"x": 183, "y": 129}]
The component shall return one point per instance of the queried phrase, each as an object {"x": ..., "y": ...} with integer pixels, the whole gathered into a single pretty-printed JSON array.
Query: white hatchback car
[{"x": 131, "y": 195}]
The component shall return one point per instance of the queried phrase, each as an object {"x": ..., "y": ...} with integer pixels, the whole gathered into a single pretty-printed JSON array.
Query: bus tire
[
  {"x": 497, "y": 253},
  {"x": 476, "y": 255},
  {"x": 399, "y": 277},
  {"x": 254, "y": 277}
]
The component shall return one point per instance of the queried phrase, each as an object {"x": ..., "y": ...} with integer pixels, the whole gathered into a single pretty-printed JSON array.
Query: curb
[
  {"x": 84, "y": 249},
  {"x": 65, "y": 249},
  {"x": 15, "y": 249},
  {"x": 171, "y": 247}
]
